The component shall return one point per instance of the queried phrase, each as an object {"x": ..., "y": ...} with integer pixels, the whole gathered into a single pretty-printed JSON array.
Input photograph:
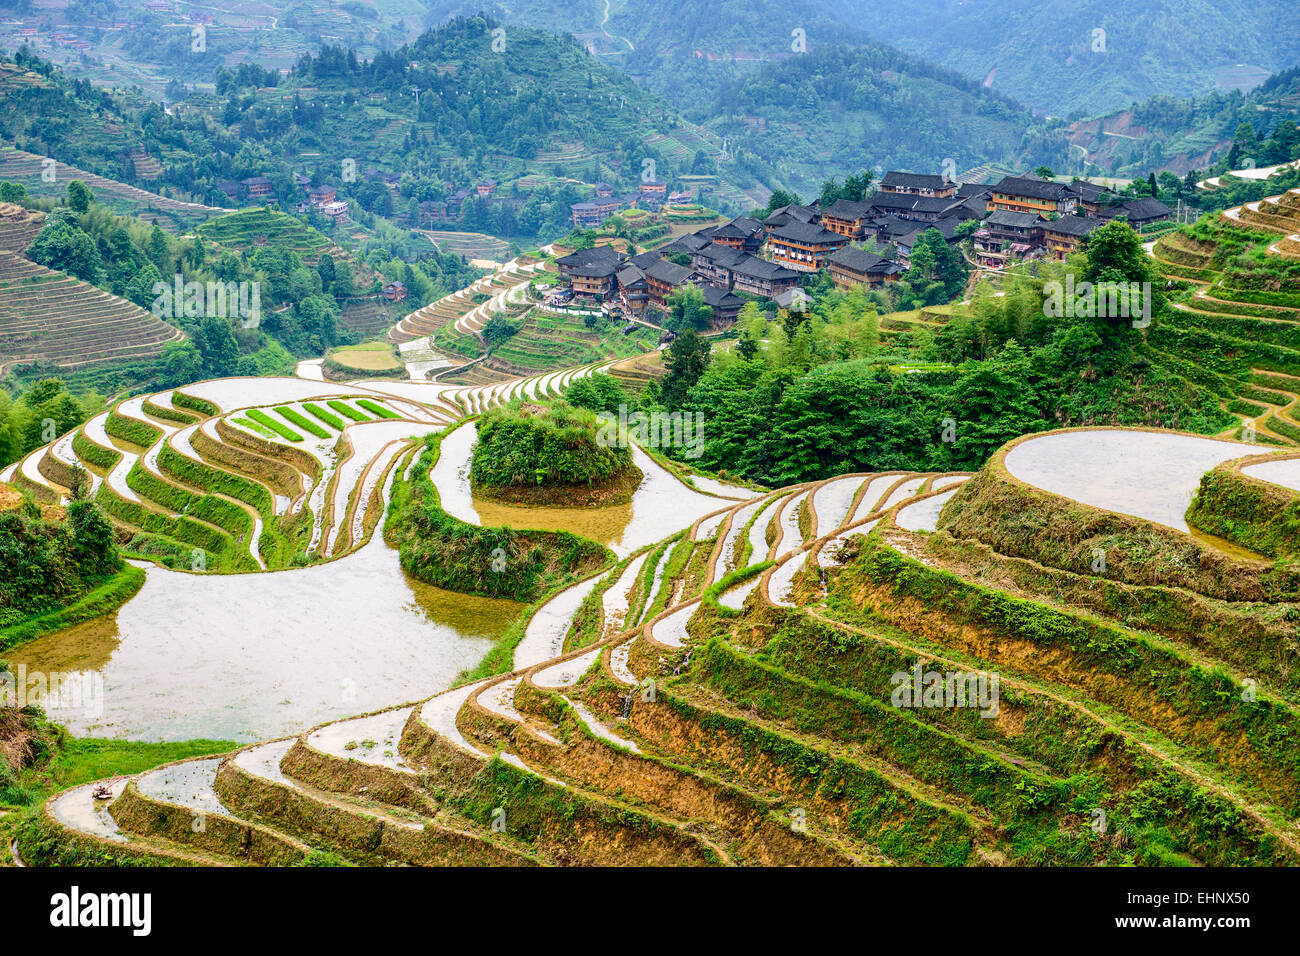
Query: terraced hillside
[
  {"x": 18, "y": 227},
  {"x": 60, "y": 322},
  {"x": 249, "y": 229},
  {"x": 43, "y": 176},
  {"x": 732, "y": 692},
  {"x": 1236, "y": 325},
  {"x": 458, "y": 318},
  {"x": 546, "y": 339},
  {"x": 247, "y": 474}
]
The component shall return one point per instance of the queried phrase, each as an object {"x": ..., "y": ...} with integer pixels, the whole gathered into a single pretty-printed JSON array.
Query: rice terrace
[{"x": 624, "y": 436}]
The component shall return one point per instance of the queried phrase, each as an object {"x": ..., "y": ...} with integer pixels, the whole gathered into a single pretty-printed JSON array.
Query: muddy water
[{"x": 252, "y": 656}]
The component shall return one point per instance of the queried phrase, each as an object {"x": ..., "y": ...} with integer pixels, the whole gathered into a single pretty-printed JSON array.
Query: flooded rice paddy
[
  {"x": 1150, "y": 475},
  {"x": 251, "y": 656}
]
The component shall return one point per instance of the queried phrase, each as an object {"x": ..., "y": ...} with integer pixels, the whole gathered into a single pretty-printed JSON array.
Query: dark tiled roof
[
  {"x": 1034, "y": 188},
  {"x": 669, "y": 272},
  {"x": 791, "y": 213},
  {"x": 1072, "y": 226},
  {"x": 805, "y": 232},
  {"x": 849, "y": 209},
  {"x": 688, "y": 243},
  {"x": 756, "y": 268},
  {"x": 1139, "y": 210},
  {"x": 967, "y": 190},
  {"x": 630, "y": 275},
  {"x": 595, "y": 262},
  {"x": 721, "y": 255},
  {"x": 645, "y": 258},
  {"x": 717, "y": 298},
  {"x": 913, "y": 180},
  {"x": 1017, "y": 220},
  {"x": 1089, "y": 191},
  {"x": 859, "y": 260},
  {"x": 739, "y": 228},
  {"x": 893, "y": 225}
]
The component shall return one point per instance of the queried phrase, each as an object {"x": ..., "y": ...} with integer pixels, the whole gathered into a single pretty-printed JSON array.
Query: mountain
[
  {"x": 798, "y": 96},
  {"x": 540, "y": 115},
  {"x": 1047, "y": 54},
  {"x": 839, "y": 109},
  {"x": 1192, "y": 133}
]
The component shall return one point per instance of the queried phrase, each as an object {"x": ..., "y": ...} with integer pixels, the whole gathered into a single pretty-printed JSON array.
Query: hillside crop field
[{"x": 610, "y": 437}]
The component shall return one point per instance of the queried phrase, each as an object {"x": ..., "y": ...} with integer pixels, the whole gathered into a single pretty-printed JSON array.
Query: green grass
[
  {"x": 81, "y": 760},
  {"x": 344, "y": 409},
  {"x": 254, "y": 426},
  {"x": 295, "y": 417},
  {"x": 376, "y": 408},
  {"x": 332, "y": 420},
  {"x": 259, "y": 416}
]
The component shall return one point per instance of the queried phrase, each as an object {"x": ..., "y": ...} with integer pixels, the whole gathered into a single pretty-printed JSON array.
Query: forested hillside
[{"x": 1047, "y": 55}]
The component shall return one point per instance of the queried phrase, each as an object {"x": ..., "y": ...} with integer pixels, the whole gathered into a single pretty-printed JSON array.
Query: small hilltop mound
[{"x": 551, "y": 454}]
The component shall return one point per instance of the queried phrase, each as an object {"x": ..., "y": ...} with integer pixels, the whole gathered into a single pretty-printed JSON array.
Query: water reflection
[{"x": 252, "y": 656}]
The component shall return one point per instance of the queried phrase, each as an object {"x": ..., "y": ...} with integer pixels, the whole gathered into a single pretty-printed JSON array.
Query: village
[{"x": 862, "y": 243}]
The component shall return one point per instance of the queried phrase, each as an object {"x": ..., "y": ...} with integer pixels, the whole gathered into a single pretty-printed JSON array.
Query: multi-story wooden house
[
  {"x": 320, "y": 195},
  {"x": 847, "y": 217},
  {"x": 918, "y": 184},
  {"x": 740, "y": 233},
  {"x": 1093, "y": 198},
  {"x": 852, "y": 267},
  {"x": 1032, "y": 194},
  {"x": 662, "y": 279},
  {"x": 591, "y": 272},
  {"x": 733, "y": 270},
  {"x": 726, "y": 306},
  {"x": 1065, "y": 235},
  {"x": 1007, "y": 236},
  {"x": 258, "y": 186},
  {"x": 803, "y": 246}
]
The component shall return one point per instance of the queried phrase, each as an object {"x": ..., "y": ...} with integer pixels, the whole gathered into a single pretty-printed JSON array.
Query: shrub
[{"x": 526, "y": 445}]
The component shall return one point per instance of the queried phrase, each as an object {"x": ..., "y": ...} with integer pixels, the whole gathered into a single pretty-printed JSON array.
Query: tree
[
  {"x": 1045, "y": 172},
  {"x": 79, "y": 196},
  {"x": 496, "y": 330},
  {"x": 687, "y": 310},
  {"x": 64, "y": 246},
  {"x": 325, "y": 269},
  {"x": 158, "y": 251},
  {"x": 749, "y": 325},
  {"x": 992, "y": 403},
  {"x": 688, "y": 358},
  {"x": 599, "y": 393},
  {"x": 182, "y": 363},
  {"x": 219, "y": 347}
]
